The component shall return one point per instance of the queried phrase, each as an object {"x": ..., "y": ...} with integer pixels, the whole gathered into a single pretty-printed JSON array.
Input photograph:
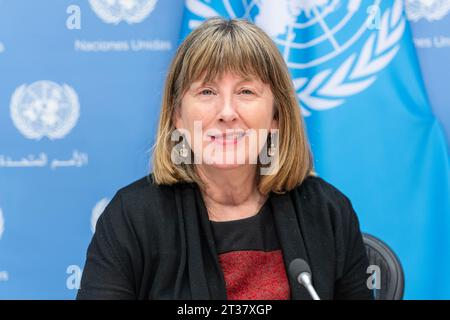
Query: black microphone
[{"x": 300, "y": 270}]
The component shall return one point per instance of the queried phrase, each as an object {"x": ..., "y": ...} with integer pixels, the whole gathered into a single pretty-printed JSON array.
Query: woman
[{"x": 232, "y": 198}]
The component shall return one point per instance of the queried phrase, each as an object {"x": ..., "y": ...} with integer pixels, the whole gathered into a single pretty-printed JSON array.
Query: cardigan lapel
[
  {"x": 205, "y": 277},
  {"x": 214, "y": 274},
  {"x": 291, "y": 239}
]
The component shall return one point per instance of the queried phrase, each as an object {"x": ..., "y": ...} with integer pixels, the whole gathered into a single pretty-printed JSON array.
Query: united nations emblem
[
  {"x": 314, "y": 37},
  {"x": 44, "y": 108},
  {"x": 430, "y": 10},
  {"x": 115, "y": 11}
]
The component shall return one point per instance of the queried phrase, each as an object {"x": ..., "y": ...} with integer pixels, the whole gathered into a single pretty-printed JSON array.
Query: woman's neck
[{"x": 230, "y": 194}]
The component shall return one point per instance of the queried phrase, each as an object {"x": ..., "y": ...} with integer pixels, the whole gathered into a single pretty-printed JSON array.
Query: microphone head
[{"x": 298, "y": 266}]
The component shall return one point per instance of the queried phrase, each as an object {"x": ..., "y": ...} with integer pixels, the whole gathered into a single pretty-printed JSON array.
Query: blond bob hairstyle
[{"x": 218, "y": 46}]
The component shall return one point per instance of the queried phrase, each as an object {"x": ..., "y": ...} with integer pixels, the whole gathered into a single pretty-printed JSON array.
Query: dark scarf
[{"x": 200, "y": 269}]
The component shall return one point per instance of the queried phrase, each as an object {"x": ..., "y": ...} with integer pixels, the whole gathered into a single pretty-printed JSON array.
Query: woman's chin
[{"x": 223, "y": 165}]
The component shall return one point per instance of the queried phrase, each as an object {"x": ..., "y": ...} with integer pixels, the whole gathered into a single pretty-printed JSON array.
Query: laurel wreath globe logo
[
  {"x": 431, "y": 10},
  {"x": 116, "y": 11},
  {"x": 44, "y": 109},
  {"x": 313, "y": 35}
]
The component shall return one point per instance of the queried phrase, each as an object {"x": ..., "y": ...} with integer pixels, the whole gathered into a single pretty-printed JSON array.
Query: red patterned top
[{"x": 251, "y": 258}]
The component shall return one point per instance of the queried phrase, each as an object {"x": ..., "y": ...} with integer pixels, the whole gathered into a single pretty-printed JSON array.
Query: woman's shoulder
[
  {"x": 144, "y": 190},
  {"x": 143, "y": 199},
  {"x": 314, "y": 187},
  {"x": 321, "y": 199}
]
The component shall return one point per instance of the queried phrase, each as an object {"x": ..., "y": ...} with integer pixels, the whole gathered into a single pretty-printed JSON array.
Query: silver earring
[{"x": 183, "y": 152}]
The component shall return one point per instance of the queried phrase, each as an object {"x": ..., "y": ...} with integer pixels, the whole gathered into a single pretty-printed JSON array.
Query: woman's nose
[{"x": 227, "y": 110}]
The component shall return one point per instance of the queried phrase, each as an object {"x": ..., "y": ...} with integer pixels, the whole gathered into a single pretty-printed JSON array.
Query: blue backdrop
[{"x": 80, "y": 89}]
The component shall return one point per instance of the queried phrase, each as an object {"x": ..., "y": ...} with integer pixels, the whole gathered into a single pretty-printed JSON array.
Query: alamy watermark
[
  {"x": 229, "y": 147},
  {"x": 74, "y": 277},
  {"x": 374, "y": 280}
]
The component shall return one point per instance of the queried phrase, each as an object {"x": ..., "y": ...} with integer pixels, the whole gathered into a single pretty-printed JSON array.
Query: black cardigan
[{"x": 155, "y": 242}]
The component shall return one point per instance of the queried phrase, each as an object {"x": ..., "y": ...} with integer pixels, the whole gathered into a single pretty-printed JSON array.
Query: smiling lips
[{"x": 227, "y": 138}]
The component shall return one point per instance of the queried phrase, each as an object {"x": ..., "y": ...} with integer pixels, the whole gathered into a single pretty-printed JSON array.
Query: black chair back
[{"x": 391, "y": 277}]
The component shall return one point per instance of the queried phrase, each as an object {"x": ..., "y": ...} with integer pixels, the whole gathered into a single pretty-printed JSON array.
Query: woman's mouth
[{"x": 227, "y": 138}]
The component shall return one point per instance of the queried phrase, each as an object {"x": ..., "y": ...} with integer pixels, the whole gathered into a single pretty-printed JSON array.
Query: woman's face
[{"x": 228, "y": 119}]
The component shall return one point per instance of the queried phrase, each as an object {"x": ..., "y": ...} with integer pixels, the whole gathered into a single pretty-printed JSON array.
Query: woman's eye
[
  {"x": 207, "y": 92},
  {"x": 246, "y": 91}
]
